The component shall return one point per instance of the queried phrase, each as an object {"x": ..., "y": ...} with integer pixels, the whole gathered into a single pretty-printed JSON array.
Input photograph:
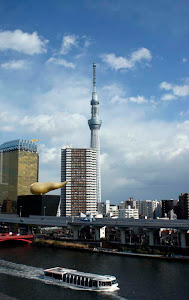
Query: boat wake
[{"x": 28, "y": 272}]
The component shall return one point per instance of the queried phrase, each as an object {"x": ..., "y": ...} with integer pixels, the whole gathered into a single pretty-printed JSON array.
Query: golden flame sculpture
[{"x": 40, "y": 188}]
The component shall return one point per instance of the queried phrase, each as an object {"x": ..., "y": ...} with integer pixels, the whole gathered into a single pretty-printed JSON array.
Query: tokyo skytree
[{"x": 95, "y": 124}]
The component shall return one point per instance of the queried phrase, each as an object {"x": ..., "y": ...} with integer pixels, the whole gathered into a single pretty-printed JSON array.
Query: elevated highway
[{"x": 77, "y": 223}]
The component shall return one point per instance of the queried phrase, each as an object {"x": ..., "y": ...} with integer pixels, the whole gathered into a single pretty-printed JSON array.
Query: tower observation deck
[{"x": 95, "y": 124}]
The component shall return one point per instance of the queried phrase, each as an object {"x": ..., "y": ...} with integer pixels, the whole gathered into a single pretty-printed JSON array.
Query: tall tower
[{"x": 95, "y": 124}]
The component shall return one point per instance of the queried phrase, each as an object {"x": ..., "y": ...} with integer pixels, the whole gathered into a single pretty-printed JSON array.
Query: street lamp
[
  {"x": 20, "y": 211},
  {"x": 44, "y": 210}
]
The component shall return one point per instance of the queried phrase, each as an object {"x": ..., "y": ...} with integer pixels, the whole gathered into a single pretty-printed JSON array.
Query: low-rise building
[{"x": 129, "y": 213}]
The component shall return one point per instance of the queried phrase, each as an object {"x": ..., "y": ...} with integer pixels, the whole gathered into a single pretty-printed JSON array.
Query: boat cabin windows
[
  {"x": 75, "y": 280},
  {"x": 57, "y": 276},
  {"x": 82, "y": 281},
  {"x": 103, "y": 283},
  {"x": 64, "y": 278},
  {"x": 90, "y": 283},
  {"x": 94, "y": 283},
  {"x": 86, "y": 281},
  {"x": 114, "y": 281},
  {"x": 48, "y": 274}
]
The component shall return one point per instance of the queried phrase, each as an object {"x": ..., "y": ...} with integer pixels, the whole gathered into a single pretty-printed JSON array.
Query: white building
[
  {"x": 78, "y": 166},
  {"x": 113, "y": 211},
  {"x": 107, "y": 206},
  {"x": 129, "y": 213}
]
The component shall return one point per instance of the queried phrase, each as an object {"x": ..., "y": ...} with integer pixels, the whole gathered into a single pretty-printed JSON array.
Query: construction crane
[{"x": 35, "y": 140}]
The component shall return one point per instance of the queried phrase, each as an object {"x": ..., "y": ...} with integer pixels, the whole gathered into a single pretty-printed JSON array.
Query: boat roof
[{"x": 60, "y": 270}]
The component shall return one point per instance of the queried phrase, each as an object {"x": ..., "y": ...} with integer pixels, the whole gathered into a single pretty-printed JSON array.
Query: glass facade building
[{"x": 19, "y": 164}]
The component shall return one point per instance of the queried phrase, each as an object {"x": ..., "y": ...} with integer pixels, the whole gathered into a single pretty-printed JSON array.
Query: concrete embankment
[{"x": 84, "y": 247}]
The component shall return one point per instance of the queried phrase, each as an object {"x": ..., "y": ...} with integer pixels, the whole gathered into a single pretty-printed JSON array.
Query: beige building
[
  {"x": 78, "y": 167},
  {"x": 19, "y": 163}
]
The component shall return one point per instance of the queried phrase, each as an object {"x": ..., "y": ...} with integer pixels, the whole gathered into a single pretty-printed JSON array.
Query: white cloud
[
  {"x": 61, "y": 62},
  {"x": 15, "y": 65},
  {"x": 177, "y": 90},
  {"x": 184, "y": 125},
  {"x": 181, "y": 91},
  {"x": 71, "y": 41},
  {"x": 7, "y": 128},
  {"x": 57, "y": 127},
  {"x": 184, "y": 113},
  {"x": 120, "y": 100},
  {"x": 122, "y": 181},
  {"x": 138, "y": 99},
  {"x": 165, "y": 86},
  {"x": 22, "y": 42},
  {"x": 141, "y": 54},
  {"x": 116, "y": 63},
  {"x": 68, "y": 42},
  {"x": 167, "y": 97},
  {"x": 48, "y": 154},
  {"x": 184, "y": 59}
]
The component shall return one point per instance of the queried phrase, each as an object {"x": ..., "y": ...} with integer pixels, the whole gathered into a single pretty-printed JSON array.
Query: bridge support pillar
[
  {"x": 75, "y": 230},
  {"x": 75, "y": 234},
  {"x": 97, "y": 233},
  {"x": 151, "y": 237},
  {"x": 122, "y": 231},
  {"x": 183, "y": 239}
]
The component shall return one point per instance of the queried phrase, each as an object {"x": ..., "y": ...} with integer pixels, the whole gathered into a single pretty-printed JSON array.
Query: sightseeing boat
[{"x": 81, "y": 280}]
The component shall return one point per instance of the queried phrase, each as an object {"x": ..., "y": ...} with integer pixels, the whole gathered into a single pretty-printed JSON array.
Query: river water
[{"x": 21, "y": 275}]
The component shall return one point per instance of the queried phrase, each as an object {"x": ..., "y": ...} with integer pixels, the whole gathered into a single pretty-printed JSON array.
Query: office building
[
  {"x": 149, "y": 208},
  {"x": 19, "y": 162},
  {"x": 95, "y": 124},
  {"x": 167, "y": 206},
  {"x": 78, "y": 166},
  {"x": 183, "y": 206}
]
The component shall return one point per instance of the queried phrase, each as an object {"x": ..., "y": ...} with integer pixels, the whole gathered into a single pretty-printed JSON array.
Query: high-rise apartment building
[
  {"x": 19, "y": 163},
  {"x": 183, "y": 206},
  {"x": 95, "y": 124},
  {"x": 78, "y": 166}
]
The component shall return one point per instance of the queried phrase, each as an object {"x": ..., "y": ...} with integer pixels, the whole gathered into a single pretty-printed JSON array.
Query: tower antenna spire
[{"x": 94, "y": 77}]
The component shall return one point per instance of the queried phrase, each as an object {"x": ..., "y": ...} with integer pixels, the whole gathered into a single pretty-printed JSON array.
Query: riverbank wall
[{"x": 88, "y": 248}]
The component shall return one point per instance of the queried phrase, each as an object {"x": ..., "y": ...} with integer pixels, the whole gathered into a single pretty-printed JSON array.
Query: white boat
[{"x": 81, "y": 280}]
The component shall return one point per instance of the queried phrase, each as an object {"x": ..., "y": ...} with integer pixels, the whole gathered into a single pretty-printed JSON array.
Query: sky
[{"x": 141, "y": 48}]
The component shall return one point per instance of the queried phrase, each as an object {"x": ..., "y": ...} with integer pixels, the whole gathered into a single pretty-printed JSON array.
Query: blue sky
[{"x": 142, "y": 52}]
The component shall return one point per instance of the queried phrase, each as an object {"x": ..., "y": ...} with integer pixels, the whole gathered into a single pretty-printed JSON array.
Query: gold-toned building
[{"x": 19, "y": 164}]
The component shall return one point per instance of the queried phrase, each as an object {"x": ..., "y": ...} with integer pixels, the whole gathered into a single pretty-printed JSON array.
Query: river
[{"x": 21, "y": 275}]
